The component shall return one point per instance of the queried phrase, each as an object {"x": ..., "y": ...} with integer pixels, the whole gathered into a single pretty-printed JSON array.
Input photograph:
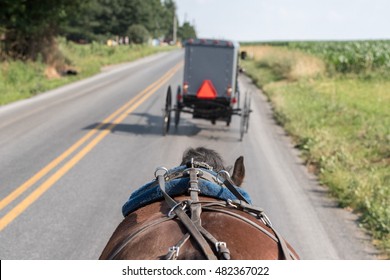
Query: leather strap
[
  {"x": 230, "y": 185},
  {"x": 126, "y": 241},
  {"x": 175, "y": 250},
  {"x": 220, "y": 247},
  {"x": 191, "y": 227},
  {"x": 196, "y": 209},
  {"x": 288, "y": 255},
  {"x": 277, "y": 238}
]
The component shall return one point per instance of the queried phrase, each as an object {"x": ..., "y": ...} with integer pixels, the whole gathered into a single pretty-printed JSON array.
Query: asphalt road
[{"x": 69, "y": 159}]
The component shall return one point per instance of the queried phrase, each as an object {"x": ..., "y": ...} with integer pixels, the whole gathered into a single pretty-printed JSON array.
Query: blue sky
[{"x": 264, "y": 20}]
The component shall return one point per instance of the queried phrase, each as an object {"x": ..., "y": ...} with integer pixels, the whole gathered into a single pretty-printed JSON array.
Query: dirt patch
[{"x": 52, "y": 73}]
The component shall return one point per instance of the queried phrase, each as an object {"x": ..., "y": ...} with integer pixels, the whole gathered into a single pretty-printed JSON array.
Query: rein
[{"x": 178, "y": 209}]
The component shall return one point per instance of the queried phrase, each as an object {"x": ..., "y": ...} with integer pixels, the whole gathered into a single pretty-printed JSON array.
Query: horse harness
[{"x": 192, "y": 221}]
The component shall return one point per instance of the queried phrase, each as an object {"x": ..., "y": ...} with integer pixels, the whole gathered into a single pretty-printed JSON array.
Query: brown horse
[{"x": 196, "y": 227}]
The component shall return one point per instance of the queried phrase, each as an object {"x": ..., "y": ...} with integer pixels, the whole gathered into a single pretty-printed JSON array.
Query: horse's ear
[{"x": 238, "y": 171}]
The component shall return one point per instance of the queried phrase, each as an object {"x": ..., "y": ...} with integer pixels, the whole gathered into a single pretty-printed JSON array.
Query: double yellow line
[{"x": 111, "y": 121}]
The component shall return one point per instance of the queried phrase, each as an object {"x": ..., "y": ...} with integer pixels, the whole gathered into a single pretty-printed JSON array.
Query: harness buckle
[
  {"x": 222, "y": 250},
  {"x": 220, "y": 178},
  {"x": 198, "y": 164},
  {"x": 231, "y": 203},
  {"x": 174, "y": 250},
  {"x": 198, "y": 171},
  {"x": 158, "y": 171},
  {"x": 219, "y": 244},
  {"x": 183, "y": 205},
  {"x": 264, "y": 218},
  {"x": 221, "y": 247}
]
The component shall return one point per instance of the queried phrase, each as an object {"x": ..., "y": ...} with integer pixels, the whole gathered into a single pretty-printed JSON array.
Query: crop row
[{"x": 351, "y": 56}]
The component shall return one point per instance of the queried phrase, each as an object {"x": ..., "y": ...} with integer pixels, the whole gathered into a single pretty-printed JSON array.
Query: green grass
[
  {"x": 341, "y": 123},
  {"x": 21, "y": 80}
]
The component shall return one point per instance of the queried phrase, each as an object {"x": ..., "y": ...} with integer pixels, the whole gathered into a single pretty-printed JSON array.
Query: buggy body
[
  {"x": 210, "y": 86},
  {"x": 210, "y": 89}
]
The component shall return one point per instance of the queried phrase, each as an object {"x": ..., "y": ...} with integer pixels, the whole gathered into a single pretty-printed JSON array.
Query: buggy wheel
[
  {"x": 228, "y": 120},
  {"x": 178, "y": 106},
  {"x": 248, "y": 111},
  {"x": 245, "y": 116},
  {"x": 242, "y": 127},
  {"x": 167, "y": 111}
]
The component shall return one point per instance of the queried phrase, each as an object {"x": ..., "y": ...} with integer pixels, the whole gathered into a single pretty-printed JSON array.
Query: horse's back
[{"x": 148, "y": 234}]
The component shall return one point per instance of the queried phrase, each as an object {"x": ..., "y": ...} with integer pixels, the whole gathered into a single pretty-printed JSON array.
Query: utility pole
[{"x": 174, "y": 29}]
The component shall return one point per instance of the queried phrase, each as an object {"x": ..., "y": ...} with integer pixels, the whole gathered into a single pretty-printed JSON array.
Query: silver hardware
[
  {"x": 198, "y": 171},
  {"x": 183, "y": 205},
  {"x": 198, "y": 164},
  {"x": 158, "y": 171},
  {"x": 220, "y": 178},
  {"x": 264, "y": 218},
  {"x": 219, "y": 244},
  {"x": 230, "y": 203},
  {"x": 175, "y": 250}
]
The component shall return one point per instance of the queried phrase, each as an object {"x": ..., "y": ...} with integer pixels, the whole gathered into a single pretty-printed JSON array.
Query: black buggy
[{"x": 210, "y": 90}]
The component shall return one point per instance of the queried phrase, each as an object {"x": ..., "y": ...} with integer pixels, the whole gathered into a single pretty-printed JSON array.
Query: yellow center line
[
  {"x": 133, "y": 103},
  {"x": 30, "y": 182}
]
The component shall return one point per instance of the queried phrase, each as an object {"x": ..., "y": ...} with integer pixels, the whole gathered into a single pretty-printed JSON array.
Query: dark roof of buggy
[{"x": 213, "y": 42}]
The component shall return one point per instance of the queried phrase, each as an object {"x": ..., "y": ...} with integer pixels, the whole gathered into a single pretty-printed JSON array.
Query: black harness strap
[
  {"x": 230, "y": 185},
  {"x": 196, "y": 209},
  {"x": 187, "y": 222},
  {"x": 277, "y": 238},
  {"x": 173, "y": 252},
  {"x": 127, "y": 240}
]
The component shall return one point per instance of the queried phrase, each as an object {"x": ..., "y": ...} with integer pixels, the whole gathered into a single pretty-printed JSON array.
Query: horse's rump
[
  {"x": 148, "y": 233},
  {"x": 193, "y": 212}
]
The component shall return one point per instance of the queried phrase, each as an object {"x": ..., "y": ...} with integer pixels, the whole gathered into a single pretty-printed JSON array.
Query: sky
[{"x": 279, "y": 20}]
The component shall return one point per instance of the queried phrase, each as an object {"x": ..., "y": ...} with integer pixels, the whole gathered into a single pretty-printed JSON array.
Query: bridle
[{"x": 189, "y": 213}]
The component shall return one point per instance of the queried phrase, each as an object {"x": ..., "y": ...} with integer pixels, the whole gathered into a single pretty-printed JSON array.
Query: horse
[{"x": 196, "y": 211}]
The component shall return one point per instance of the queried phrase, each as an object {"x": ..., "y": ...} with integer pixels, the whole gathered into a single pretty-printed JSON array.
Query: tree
[
  {"x": 81, "y": 27},
  {"x": 138, "y": 34},
  {"x": 107, "y": 18},
  {"x": 31, "y": 26},
  {"x": 186, "y": 31},
  {"x": 169, "y": 15}
]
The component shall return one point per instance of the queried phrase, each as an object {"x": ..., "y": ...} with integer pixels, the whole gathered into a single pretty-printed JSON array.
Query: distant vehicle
[{"x": 210, "y": 88}]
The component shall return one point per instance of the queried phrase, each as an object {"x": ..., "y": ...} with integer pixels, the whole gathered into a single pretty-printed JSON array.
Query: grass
[
  {"x": 21, "y": 80},
  {"x": 341, "y": 123}
]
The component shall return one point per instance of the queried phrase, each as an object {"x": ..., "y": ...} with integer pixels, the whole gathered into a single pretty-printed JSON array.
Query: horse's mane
[{"x": 202, "y": 154}]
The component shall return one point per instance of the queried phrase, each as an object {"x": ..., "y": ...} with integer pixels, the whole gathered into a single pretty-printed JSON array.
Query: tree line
[{"x": 28, "y": 28}]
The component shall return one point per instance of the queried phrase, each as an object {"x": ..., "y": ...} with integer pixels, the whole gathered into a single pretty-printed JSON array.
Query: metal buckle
[
  {"x": 175, "y": 250},
  {"x": 264, "y": 218},
  {"x": 181, "y": 203},
  {"x": 219, "y": 177},
  {"x": 156, "y": 173},
  {"x": 198, "y": 164},
  {"x": 231, "y": 203},
  {"x": 199, "y": 172},
  {"x": 219, "y": 244}
]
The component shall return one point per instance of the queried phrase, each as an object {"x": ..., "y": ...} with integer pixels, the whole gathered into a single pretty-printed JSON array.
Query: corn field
[{"x": 350, "y": 57}]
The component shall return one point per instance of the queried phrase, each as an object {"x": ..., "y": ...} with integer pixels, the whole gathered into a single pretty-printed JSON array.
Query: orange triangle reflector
[{"x": 207, "y": 90}]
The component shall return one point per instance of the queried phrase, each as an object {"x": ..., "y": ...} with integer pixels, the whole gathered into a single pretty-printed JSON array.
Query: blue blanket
[{"x": 151, "y": 191}]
